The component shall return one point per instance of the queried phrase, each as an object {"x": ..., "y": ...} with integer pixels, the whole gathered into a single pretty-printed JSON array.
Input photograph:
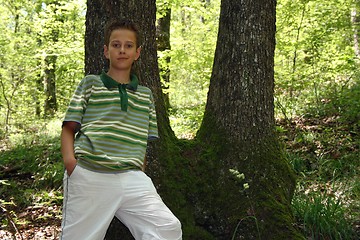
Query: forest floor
[
  {"x": 34, "y": 222},
  {"x": 39, "y": 216}
]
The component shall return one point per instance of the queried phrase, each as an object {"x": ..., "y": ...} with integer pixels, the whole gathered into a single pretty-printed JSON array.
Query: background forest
[{"x": 317, "y": 98}]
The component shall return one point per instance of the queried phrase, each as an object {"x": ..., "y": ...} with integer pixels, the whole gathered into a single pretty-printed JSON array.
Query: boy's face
[{"x": 122, "y": 50}]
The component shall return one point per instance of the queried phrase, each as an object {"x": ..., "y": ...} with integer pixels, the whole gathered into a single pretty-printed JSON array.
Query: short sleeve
[
  {"x": 153, "y": 128},
  {"x": 78, "y": 102}
]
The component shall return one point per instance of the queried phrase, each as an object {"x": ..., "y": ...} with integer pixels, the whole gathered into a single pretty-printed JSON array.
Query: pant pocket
[{"x": 74, "y": 172}]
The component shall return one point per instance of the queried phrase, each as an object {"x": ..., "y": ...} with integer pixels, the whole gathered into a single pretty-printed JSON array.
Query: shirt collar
[{"x": 111, "y": 83}]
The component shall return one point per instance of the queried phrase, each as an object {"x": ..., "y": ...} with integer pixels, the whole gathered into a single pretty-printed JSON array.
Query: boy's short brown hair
[{"x": 115, "y": 24}]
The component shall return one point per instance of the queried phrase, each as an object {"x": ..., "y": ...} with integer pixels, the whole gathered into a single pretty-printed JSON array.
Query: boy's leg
[
  {"x": 89, "y": 205},
  {"x": 144, "y": 212}
]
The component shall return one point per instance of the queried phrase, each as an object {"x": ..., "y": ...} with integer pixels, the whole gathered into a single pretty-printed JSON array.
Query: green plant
[
  {"x": 247, "y": 217},
  {"x": 322, "y": 216},
  {"x": 31, "y": 162},
  {"x": 297, "y": 163},
  {"x": 186, "y": 120},
  {"x": 240, "y": 177}
]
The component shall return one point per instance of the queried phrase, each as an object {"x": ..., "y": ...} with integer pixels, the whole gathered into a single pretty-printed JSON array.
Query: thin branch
[{"x": 12, "y": 223}]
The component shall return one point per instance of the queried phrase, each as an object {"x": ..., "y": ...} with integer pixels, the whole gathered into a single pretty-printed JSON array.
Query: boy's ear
[
  {"x": 106, "y": 52},
  {"x": 138, "y": 50}
]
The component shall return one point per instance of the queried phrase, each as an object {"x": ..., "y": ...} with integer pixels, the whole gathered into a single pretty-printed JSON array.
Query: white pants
[{"x": 92, "y": 199}]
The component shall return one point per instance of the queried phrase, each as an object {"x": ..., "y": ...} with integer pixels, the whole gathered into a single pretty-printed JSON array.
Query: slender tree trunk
[
  {"x": 7, "y": 104},
  {"x": 355, "y": 19},
  {"x": 295, "y": 55},
  {"x": 50, "y": 105},
  {"x": 37, "y": 90},
  {"x": 238, "y": 129}
]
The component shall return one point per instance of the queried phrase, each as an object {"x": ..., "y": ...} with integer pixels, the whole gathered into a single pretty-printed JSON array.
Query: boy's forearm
[{"x": 67, "y": 148}]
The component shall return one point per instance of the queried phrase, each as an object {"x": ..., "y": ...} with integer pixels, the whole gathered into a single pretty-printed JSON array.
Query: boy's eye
[{"x": 126, "y": 45}]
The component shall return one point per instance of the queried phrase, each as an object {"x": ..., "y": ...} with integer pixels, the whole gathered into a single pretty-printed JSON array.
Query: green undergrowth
[
  {"x": 324, "y": 152},
  {"x": 30, "y": 171},
  {"x": 186, "y": 120}
]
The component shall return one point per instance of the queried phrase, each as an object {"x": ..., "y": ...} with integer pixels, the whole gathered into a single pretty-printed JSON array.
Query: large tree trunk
[
  {"x": 143, "y": 12},
  {"x": 238, "y": 130}
]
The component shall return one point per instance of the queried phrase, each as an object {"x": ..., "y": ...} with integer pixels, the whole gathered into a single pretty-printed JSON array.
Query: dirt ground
[{"x": 36, "y": 223}]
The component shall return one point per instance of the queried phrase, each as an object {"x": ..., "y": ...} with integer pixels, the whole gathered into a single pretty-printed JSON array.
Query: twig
[{"x": 12, "y": 223}]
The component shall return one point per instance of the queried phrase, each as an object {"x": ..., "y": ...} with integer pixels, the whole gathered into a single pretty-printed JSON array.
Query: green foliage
[
  {"x": 324, "y": 154},
  {"x": 322, "y": 216},
  {"x": 31, "y": 165},
  {"x": 314, "y": 54},
  {"x": 193, "y": 36},
  {"x": 50, "y": 29},
  {"x": 185, "y": 121},
  {"x": 346, "y": 103}
]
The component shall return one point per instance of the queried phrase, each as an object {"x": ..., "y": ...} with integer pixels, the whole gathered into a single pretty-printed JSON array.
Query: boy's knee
[{"x": 171, "y": 231}]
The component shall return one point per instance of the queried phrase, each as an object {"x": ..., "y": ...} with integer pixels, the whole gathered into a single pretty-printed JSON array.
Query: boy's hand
[
  {"x": 70, "y": 165},
  {"x": 67, "y": 146}
]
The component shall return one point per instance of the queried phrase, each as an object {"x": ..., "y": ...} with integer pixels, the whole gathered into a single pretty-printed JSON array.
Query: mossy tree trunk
[{"x": 238, "y": 127}]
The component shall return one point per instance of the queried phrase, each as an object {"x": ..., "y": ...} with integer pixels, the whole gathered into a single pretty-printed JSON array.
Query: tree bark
[
  {"x": 50, "y": 105},
  {"x": 238, "y": 130}
]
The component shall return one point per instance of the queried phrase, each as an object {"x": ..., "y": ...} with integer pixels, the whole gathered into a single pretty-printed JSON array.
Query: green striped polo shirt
[{"x": 112, "y": 137}]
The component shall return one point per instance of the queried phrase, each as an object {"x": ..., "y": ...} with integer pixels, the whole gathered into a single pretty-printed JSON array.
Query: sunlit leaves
[
  {"x": 193, "y": 38},
  {"x": 314, "y": 51},
  {"x": 31, "y": 31}
]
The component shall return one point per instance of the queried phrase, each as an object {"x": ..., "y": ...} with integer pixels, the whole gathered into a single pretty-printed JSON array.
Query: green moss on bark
[
  {"x": 263, "y": 210},
  {"x": 195, "y": 181}
]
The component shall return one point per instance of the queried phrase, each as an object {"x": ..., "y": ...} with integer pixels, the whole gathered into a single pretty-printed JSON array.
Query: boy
[{"x": 112, "y": 117}]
